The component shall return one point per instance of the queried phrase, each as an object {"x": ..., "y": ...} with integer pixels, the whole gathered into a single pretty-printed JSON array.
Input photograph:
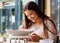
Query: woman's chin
[{"x": 33, "y": 21}]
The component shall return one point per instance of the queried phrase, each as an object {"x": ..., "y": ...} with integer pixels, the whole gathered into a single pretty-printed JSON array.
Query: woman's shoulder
[
  {"x": 49, "y": 21},
  {"x": 51, "y": 25}
]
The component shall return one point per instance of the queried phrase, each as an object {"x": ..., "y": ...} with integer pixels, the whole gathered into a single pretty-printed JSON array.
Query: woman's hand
[{"x": 34, "y": 37}]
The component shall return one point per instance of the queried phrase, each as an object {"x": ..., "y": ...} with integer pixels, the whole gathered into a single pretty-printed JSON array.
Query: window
[
  {"x": 58, "y": 17},
  {"x": 55, "y": 12},
  {"x": 5, "y": 12}
]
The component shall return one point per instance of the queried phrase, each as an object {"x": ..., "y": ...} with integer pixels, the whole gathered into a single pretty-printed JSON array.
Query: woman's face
[{"x": 32, "y": 15}]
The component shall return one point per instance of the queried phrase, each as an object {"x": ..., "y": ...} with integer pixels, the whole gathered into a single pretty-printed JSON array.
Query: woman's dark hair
[{"x": 33, "y": 6}]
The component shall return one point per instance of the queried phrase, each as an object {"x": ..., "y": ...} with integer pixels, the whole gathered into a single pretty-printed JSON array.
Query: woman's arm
[
  {"x": 51, "y": 26},
  {"x": 22, "y": 26},
  {"x": 52, "y": 30}
]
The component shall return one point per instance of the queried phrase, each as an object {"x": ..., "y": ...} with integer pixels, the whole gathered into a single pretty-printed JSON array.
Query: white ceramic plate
[
  {"x": 46, "y": 41},
  {"x": 19, "y": 32}
]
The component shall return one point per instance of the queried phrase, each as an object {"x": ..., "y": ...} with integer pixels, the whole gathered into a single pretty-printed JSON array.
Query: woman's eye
[{"x": 31, "y": 14}]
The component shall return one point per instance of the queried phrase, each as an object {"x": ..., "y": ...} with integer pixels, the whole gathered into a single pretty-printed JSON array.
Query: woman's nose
[{"x": 29, "y": 17}]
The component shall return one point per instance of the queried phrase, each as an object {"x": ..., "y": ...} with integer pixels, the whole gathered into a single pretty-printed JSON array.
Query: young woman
[{"x": 43, "y": 26}]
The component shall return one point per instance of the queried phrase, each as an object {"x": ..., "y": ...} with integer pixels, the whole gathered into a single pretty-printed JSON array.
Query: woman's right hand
[{"x": 34, "y": 37}]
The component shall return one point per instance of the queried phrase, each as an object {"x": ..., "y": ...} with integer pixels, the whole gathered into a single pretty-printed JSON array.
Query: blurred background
[{"x": 11, "y": 12}]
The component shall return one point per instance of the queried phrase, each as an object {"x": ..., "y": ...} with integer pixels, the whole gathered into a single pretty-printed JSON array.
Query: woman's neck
[{"x": 39, "y": 21}]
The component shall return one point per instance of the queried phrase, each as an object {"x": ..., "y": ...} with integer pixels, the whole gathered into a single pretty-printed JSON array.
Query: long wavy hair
[{"x": 33, "y": 6}]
